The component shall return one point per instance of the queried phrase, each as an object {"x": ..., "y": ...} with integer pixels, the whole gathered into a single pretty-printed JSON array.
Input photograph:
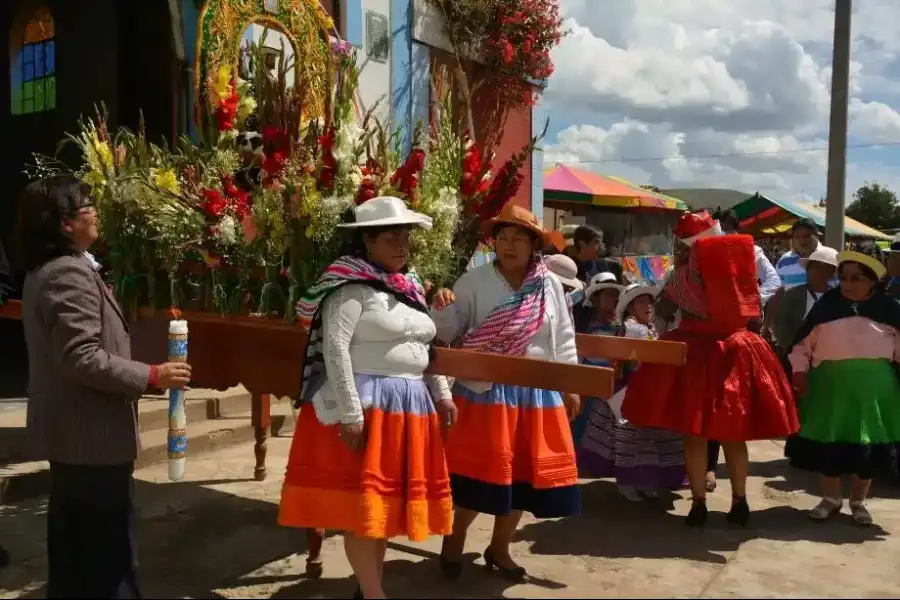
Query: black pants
[
  {"x": 712, "y": 455},
  {"x": 91, "y": 547}
]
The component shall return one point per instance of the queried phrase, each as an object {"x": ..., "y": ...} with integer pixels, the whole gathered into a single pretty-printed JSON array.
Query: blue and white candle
[{"x": 177, "y": 441}]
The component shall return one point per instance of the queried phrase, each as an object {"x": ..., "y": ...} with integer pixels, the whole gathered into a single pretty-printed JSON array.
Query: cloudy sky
[{"x": 722, "y": 93}]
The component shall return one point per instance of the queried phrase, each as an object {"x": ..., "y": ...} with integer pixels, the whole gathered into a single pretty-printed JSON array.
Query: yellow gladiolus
[
  {"x": 223, "y": 82},
  {"x": 165, "y": 179}
]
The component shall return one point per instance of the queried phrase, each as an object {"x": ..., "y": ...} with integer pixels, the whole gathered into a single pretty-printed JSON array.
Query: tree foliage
[{"x": 876, "y": 206}]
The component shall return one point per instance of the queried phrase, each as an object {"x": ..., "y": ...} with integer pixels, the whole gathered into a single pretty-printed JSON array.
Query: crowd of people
[{"x": 383, "y": 448}]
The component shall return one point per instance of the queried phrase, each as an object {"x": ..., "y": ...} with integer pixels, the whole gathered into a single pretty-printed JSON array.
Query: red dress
[{"x": 732, "y": 387}]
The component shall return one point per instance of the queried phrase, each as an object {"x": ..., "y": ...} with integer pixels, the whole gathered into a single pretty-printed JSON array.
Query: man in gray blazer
[{"x": 83, "y": 390}]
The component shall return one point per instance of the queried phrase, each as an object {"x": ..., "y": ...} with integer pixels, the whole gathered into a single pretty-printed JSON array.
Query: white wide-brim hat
[
  {"x": 386, "y": 211},
  {"x": 599, "y": 282},
  {"x": 565, "y": 270},
  {"x": 635, "y": 290},
  {"x": 822, "y": 254}
]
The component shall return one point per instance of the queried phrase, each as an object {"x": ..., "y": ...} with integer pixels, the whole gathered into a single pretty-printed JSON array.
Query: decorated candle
[{"x": 177, "y": 441}]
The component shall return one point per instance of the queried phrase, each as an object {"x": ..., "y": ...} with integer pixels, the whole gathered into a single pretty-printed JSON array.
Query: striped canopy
[
  {"x": 564, "y": 184},
  {"x": 765, "y": 216}
]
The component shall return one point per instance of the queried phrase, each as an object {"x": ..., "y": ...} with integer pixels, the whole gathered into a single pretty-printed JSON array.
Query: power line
[{"x": 722, "y": 155}]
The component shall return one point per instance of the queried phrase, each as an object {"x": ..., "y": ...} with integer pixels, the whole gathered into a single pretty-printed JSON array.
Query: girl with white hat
[
  {"x": 596, "y": 315},
  {"x": 643, "y": 461}
]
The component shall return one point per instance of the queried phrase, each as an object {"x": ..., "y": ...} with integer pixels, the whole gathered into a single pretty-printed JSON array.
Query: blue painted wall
[
  {"x": 421, "y": 84},
  {"x": 353, "y": 9},
  {"x": 401, "y": 70}
]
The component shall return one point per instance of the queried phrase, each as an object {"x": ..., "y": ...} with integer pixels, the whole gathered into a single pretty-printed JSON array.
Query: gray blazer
[
  {"x": 790, "y": 316},
  {"x": 83, "y": 386}
]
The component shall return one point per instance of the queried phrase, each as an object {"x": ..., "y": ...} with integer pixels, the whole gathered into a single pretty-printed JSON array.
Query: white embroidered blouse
[{"x": 367, "y": 331}]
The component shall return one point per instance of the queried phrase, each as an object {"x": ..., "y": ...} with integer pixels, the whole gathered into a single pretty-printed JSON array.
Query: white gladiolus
[{"x": 227, "y": 230}]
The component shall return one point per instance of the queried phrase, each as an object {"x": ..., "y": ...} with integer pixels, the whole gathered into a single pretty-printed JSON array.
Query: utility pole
[{"x": 837, "y": 132}]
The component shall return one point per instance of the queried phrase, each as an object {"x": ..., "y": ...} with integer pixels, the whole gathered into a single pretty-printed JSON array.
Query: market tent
[
  {"x": 762, "y": 215},
  {"x": 564, "y": 184}
]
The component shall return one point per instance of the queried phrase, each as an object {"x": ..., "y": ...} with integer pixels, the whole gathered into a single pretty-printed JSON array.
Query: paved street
[{"x": 214, "y": 536}]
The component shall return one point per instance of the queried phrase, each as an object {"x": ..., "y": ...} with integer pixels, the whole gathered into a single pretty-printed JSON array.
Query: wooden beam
[
  {"x": 265, "y": 356},
  {"x": 619, "y": 348},
  {"x": 527, "y": 372}
]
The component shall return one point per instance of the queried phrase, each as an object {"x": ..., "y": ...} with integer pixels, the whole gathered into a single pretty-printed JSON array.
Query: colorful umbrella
[
  {"x": 765, "y": 215},
  {"x": 565, "y": 184}
]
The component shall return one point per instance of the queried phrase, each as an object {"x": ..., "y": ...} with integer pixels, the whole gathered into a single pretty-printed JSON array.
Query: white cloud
[{"x": 719, "y": 93}]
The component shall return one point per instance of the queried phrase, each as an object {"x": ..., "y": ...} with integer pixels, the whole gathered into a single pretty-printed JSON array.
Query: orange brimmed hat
[
  {"x": 557, "y": 240},
  {"x": 512, "y": 214}
]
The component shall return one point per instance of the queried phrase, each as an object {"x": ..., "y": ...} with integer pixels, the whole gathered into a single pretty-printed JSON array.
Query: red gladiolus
[
  {"x": 214, "y": 204},
  {"x": 367, "y": 190},
  {"x": 226, "y": 112}
]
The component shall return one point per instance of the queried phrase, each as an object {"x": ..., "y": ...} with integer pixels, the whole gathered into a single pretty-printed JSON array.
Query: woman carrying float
[
  {"x": 511, "y": 450},
  {"x": 367, "y": 456},
  {"x": 844, "y": 364},
  {"x": 732, "y": 387}
]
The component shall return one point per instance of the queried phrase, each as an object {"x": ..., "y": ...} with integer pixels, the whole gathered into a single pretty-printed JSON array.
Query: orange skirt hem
[{"x": 381, "y": 517}]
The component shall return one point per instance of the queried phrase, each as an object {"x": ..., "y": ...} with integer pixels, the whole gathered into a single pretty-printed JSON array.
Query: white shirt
[
  {"x": 370, "y": 332},
  {"x": 482, "y": 289},
  {"x": 769, "y": 281},
  {"x": 811, "y": 299}
]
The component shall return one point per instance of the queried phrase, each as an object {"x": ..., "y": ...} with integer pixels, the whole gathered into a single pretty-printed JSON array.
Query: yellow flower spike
[
  {"x": 223, "y": 82},
  {"x": 165, "y": 179}
]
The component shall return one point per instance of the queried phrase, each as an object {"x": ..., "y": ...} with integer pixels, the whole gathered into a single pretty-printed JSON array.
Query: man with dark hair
[
  {"x": 804, "y": 241},
  {"x": 588, "y": 244}
]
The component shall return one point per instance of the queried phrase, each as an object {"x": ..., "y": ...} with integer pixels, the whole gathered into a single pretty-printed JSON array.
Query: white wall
[
  {"x": 254, "y": 33},
  {"x": 375, "y": 77}
]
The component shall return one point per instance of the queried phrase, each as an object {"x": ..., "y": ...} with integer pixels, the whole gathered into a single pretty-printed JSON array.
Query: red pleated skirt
[{"x": 732, "y": 388}]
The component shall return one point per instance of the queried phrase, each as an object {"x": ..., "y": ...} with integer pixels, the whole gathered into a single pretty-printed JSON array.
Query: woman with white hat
[
  {"x": 643, "y": 461},
  {"x": 844, "y": 364},
  {"x": 797, "y": 301},
  {"x": 511, "y": 450},
  {"x": 367, "y": 456}
]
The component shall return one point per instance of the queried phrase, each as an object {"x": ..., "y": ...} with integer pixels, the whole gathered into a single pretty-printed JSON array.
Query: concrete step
[{"x": 213, "y": 423}]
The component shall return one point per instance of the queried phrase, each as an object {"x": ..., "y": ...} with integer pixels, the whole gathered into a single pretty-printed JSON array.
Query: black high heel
[
  {"x": 740, "y": 511},
  {"x": 698, "y": 513},
  {"x": 513, "y": 574}
]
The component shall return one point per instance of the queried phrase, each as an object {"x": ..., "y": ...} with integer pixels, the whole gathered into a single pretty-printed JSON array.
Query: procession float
[{"x": 215, "y": 237}]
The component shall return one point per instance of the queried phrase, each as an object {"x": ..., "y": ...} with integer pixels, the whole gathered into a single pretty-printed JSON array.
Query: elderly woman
[
  {"x": 367, "y": 456},
  {"x": 83, "y": 390},
  {"x": 511, "y": 450},
  {"x": 845, "y": 372}
]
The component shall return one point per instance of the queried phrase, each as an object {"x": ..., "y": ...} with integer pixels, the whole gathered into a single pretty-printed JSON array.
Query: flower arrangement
[
  {"x": 513, "y": 37},
  {"x": 244, "y": 221}
]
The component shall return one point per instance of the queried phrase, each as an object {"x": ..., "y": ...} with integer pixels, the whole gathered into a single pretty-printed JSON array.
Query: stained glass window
[{"x": 33, "y": 72}]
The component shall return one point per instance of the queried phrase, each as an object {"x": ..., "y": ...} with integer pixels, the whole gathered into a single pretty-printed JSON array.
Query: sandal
[
  {"x": 860, "y": 513},
  {"x": 826, "y": 508}
]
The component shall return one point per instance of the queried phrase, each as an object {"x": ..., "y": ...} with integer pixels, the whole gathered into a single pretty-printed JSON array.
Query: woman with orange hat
[
  {"x": 511, "y": 449},
  {"x": 732, "y": 388}
]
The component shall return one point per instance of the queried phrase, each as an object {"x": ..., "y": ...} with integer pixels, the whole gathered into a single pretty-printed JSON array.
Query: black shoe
[
  {"x": 4, "y": 557},
  {"x": 513, "y": 574},
  {"x": 697, "y": 516},
  {"x": 451, "y": 569},
  {"x": 358, "y": 595},
  {"x": 740, "y": 511}
]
